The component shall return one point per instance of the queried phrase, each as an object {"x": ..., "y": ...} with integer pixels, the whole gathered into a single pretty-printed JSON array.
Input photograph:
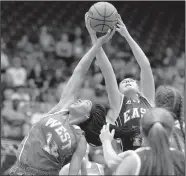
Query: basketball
[{"x": 103, "y": 16}]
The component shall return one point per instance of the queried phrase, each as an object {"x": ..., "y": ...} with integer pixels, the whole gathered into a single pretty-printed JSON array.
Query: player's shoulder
[
  {"x": 144, "y": 100},
  {"x": 57, "y": 115},
  {"x": 53, "y": 120}
]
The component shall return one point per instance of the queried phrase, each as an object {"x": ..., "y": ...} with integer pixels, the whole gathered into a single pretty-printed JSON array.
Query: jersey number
[{"x": 51, "y": 146}]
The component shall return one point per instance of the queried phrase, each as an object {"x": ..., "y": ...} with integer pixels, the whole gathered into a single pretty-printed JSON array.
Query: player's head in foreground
[
  {"x": 129, "y": 86},
  {"x": 171, "y": 99},
  {"x": 80, "y": 109},
  {"x": 159, "y": 159},
  {"x": 156, "y": 127}
]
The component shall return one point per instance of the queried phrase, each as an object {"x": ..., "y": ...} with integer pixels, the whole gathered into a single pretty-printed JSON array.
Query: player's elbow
[{"x": 112, "y": 164}]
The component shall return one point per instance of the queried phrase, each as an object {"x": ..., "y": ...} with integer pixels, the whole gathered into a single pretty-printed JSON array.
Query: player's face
[
  {"x": 128, "y": 85},
  {"x": 81, "y": 108}
]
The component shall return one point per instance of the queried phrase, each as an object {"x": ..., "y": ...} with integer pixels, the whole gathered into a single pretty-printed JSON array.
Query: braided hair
[
  {"x": 171, "y": 99},
  {"x": 94, "y": 124}
]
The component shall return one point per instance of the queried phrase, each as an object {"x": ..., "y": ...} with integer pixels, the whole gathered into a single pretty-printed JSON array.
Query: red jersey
[
  {"x": 50, "y": 143},
  {"x": 130, "y": 114}
]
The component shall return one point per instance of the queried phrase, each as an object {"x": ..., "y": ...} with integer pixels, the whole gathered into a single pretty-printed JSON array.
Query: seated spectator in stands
[
  {"x": 78, "y": 32},
  {"x": 64, "y": 49},
  {"x": 98, "y": 81},
  {"x": 169, "y": 59},
  {"x": 46, "y": 40},
  {"x": 36, "y": 77},
  {"x": 179, "y": 78},
  {"x": 17, "y": 72},
  {"x": 87, "y": 91},
  {"x": 4, "y": 62},
  {"x": 57, "y": 78},
  {"x": 180, "y": 64},
  {"x": 3, "y": 44},
  {"x": 109, "y": 49},
  {"x": 78, "y": 50},
  {"x": 23, "y": 94},
  {"x": 13, "y": 120},
  {"x": 24, "y": 45}
]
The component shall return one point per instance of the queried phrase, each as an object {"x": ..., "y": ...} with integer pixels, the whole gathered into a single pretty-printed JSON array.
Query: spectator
[
  {"x": 78, "y": 50},
  {"x": 169, "y": 59},
  {"x": 57, "y": 79},
  {"x": 179, "y": 79},
  {"x": 46, "y": 40},
  {"x": 87, "y": 92},
  {"x": 4, "y": 62},
  {"x": 180, "y": 64},
  {"x": 36, "y": 77},
  {"x": 23, "y": 95},
  {"x": 13, "y": 119},
  {"x": 24, "y": 45},
  {"x": 3, "y": 44},
  {"x": 17, "y": 72},
  {"x": 78, "y": 32},
  {"x": 64, "y": 49},
  {"x": 98, "y": 81}
]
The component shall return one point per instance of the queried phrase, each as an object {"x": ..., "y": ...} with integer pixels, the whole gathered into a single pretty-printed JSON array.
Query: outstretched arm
[
  {"x": 114, "y": 94},
  {"x": 146, "y": 76},
  {"x": 77, "y": 78}
]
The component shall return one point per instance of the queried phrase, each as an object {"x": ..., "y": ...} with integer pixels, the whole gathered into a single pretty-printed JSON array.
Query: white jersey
[{"x": 92, "y": 168}]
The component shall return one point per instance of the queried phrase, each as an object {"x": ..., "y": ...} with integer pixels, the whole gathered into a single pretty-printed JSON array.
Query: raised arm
[
  {"x": 111, "y": 158},
  {"x": 77, "y": 158},
  {"x": 69, "y": 93},
  {"x": 114, "y": 95},
  {"x": 146, "y": 76}
]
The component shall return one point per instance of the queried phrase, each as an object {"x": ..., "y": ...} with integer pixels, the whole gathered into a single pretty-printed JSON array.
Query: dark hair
[
  {"x": 157, "y": 125},
  {"x": 171, "y": 99},
  {"x": 94, "y": 124}
]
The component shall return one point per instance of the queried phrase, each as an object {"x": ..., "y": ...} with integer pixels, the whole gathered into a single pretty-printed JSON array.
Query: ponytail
[
  {"x": 159, "y": 163},
  {"x": 181, "y": 128}
]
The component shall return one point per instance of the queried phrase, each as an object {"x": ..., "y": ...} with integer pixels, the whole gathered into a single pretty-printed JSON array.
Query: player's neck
[
  {"x": 74, "y": 120},
  {"x": 133, "y": 96}
]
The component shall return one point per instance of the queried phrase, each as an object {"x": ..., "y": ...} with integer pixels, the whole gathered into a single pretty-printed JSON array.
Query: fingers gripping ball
[{"x": 103, "y": 16}]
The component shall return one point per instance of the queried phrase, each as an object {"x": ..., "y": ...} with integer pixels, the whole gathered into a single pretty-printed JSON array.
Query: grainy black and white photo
[{"x": 93, "y": 88}]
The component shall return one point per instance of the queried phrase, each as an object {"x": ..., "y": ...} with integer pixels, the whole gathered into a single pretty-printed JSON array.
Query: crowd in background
[
  {"x": 37, "y": 61},
  {"x": 34, "y": 74},
  {"x": 41, "y": 43}
]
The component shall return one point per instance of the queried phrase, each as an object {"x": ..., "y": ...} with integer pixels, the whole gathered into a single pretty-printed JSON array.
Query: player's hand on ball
[
  {"x": 87, "y": 23},
  {"x": 121, "y": 28},
  {"x": 106, "y": 134},
  {"x": 106, "y": 37}
]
